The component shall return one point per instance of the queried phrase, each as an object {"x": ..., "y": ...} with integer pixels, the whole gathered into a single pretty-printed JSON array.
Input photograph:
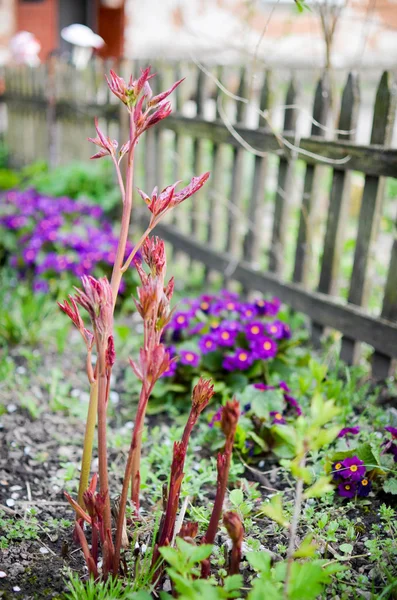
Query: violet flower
[
  {"x": 348, "y": 431},
  {"x": 347, "y": 490},
  {"x": 352, "y": 468},
  {"x": 190, "y": 358}
]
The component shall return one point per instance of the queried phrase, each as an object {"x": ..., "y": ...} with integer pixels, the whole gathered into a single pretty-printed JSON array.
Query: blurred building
[{"x": 216, "y": 30}]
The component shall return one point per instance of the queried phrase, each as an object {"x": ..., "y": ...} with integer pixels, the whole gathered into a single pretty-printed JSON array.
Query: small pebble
[
  {"x": 75, "y": 393},
  {"x": 21, "y": 370},
  {"x": 27, "y": 450},
  {"x": 261, "y": 464},
  {"x": 2, "y": 574},
  {"x": 44, "y": 550},
  {"x": 15, "y": 488},
  {"x": 16, "y": 588},
  {"x": 10, "y": 502},
  {"x": 11, "y": 408},
  {"x": 14, "y": 496},
  {"x": 129, "y": 425}
]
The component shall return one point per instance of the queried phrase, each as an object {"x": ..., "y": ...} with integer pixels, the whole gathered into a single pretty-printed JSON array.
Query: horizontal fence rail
[{"x": 299, "y": 210}]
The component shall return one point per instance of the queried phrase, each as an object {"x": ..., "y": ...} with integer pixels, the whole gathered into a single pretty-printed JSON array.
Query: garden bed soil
[{"x": 34, "y": 457}]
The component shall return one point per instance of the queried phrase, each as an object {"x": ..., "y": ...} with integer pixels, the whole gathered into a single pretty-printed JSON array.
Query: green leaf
[
  {"x": 390, "y": 486},
  {"x": 259, "y": 561},
  {"x": 307, "y": 549},
  {"x": 346, "y": 548},
  {"x": 274, "y": 510},
  {"x": 194, "y": 553},
  {"x": 323, "y": 437},
  {"x": 307, "y": 581},
  {"x": 323, "y": 411},
  {"x": 236, "y": 497},
  {"x": 237, "y": 381},
  {"x": 212, "y": 361},
  {"x": 233, "y": 582},
  {"x": 369, "y": 454},
  {"x": 321, "y": 487},
  {"x": 258, "y": 440},
  {"x": 264, "y": 402},
  {"x": 263, "y": 588}
]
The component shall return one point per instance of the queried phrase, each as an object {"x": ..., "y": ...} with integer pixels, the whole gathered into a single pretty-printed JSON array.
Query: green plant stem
[
  {"x": 294, "y": 526},
  {"x": 88, "y": 442},
  {"x": 102, "y": 443}
]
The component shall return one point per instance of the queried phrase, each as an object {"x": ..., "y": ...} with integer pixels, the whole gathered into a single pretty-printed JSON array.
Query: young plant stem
[
  {"x": 88, "y": 442},
  {"x": 294, "y": 525},
  {"x": 102, "y": 443},
  {"x": 117, "y": 272},
  {"x": 143, "y": 400}
]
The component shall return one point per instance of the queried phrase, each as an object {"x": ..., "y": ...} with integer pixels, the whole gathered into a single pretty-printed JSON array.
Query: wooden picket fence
[{"x": 259, "y": 221}]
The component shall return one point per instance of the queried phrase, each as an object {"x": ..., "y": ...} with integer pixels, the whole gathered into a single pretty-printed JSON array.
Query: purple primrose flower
[
  {"x": 207, "y": 344},
  {"x": 348, "y": 430},
  {"x": 347, "y": 489},
  {"x": 352, "y": 468},
  {"x": 187, "y": 357}
]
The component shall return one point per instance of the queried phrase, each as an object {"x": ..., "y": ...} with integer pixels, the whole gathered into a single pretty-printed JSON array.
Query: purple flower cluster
[
  {"x": 350, "y": 476},
  {"x": 243, "y": 332},
  {"x": 56, "y": 235}
]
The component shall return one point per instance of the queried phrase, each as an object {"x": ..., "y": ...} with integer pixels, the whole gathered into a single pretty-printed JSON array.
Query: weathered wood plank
[
  {"x": 371, "y": 209},
  {"x": 215, "y": 183},
  {"x": 372, "y": 160},
  {"x": 351, "y": 320},
  {"x": 234, "y": 215},
  {"x": 252, "y": 239},
  {"x": 303, "y": 253},
  {"x": 198, "y": 155},
  {"x": 339, "y": 199},
  {"x": 284, "y": 186}
]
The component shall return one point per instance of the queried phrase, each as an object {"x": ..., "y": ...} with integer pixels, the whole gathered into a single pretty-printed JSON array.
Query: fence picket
[
  {"x": 339, "y": 200},
  {"x": 303, "y": 254},
  {"x": 234, "y": 232},
  {"x": 198, "y": 155},
  {"x": 284, "y": 186},
  {"x": 215, "y": 183},
  {"x": 371, "y": 209},
  {"x": 252, "y": 239}
]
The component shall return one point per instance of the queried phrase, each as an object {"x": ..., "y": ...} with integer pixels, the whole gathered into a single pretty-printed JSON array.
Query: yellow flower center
[
  {"x": 267, "y": 345},
  {"x": 189, "y": 357},
  {"x": 338, "y": 466},
  {"x": 260, "y": 303},
  {"x": 208, "y": 344},
  {"x": 353, "y": 468},
  {"x": 364, "y": 482},
  {"x": 248, "y": 313},
  {"x": 204, "y": 305},
  {"x": 347, "y": 487},
  {"x": 214, "y": 324},
  {"x": 180, "y": 320},
  {"x": 278, "y": 416},
  {"x": 255, "y": 329},
  {"x": 225, "y": 335},
  {"x": 273, "y": 329},
  {"x": 243, "y": 356},
  {"x": 230, "y": 306}
]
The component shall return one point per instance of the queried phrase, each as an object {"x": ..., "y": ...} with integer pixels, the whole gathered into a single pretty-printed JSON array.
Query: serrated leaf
[
  {"x": 274, "y": 510},
  {"x": 259, "y": 561},
  {"x": 233, "y": 582},
  {"x": 263, "y": 588},
  {"x": 390, "y": 486},
  {"x": 321, "y": 487}
]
